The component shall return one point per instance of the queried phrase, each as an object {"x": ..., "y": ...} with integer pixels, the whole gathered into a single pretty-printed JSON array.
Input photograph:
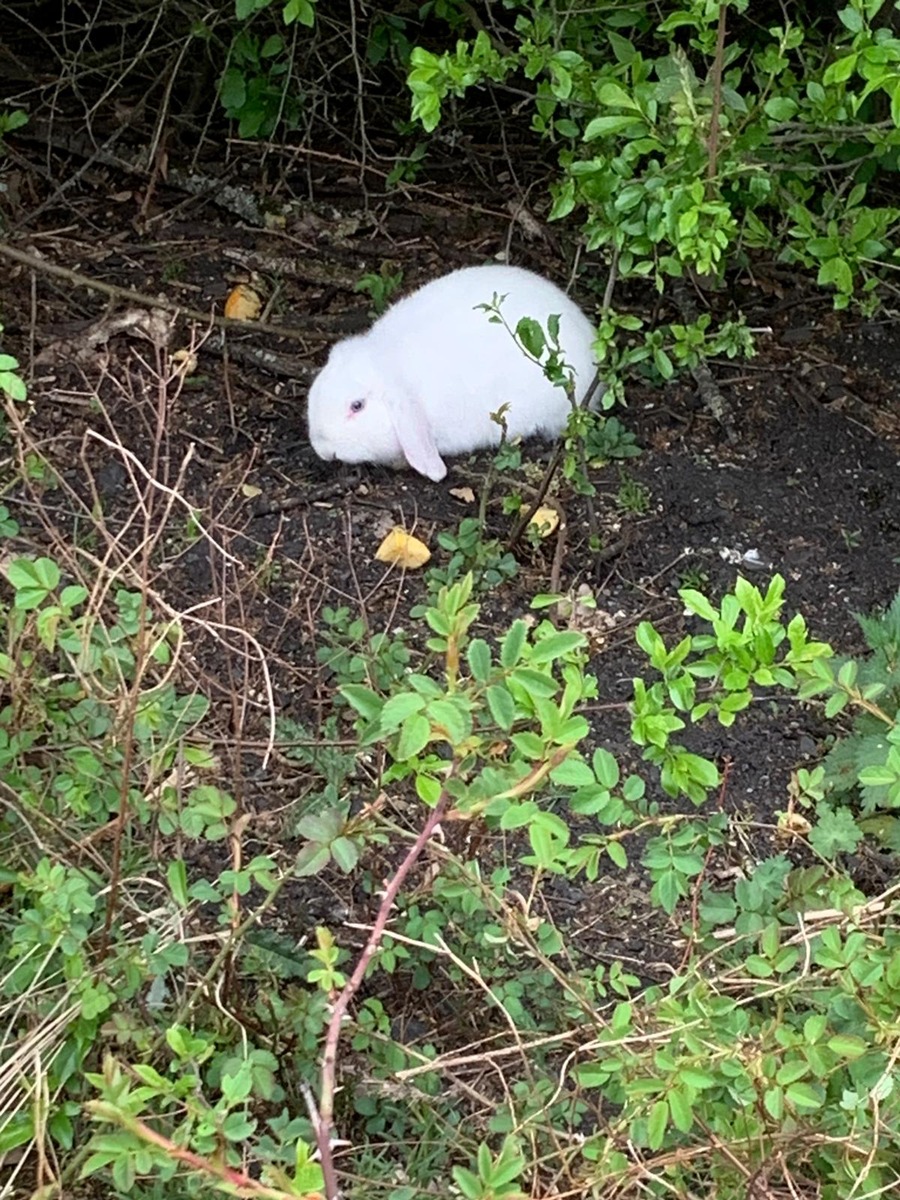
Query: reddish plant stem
[
  {"x": 236, "y": 1181},
  {"x": 727, "y": 764},
  {"x": 325, "y": 1126}
]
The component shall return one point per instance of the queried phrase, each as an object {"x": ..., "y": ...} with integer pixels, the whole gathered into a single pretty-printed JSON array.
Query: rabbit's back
[{"x": 461, "y": 366}]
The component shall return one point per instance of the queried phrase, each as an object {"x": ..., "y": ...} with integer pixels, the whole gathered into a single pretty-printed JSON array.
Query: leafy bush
[
  {"x": 862, "y": 768},
  {"x": 763, "y": 1051},
  {"x": 682, "y": 141}
]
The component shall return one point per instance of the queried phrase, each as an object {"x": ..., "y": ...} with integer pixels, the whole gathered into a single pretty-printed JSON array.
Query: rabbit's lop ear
[{"x": 415, "y": 437}]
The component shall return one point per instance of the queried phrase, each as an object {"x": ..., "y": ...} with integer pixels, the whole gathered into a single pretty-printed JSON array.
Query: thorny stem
[
  {"x": 325, "y": 1126},
  {"x": 236, "y": 1181}
]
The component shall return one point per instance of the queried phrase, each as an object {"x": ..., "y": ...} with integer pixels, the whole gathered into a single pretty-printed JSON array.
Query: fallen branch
[{"x": 316, "y": 325}]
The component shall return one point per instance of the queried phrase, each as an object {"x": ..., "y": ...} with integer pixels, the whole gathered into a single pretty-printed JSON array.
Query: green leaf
[
  {"x": 773, "y": 1100},
  {"x": 366, "y": 702},
  {"x": 781, "y": 108},
  {"x": 545, "y": 843},
  {"x": 14, "y": 387},
  {"x": 790, "y": 1072},
  {"x": 606, "y": 126},
  {"x": 518, "y": 814},
  {"x": 18, "y": 1128},
  {"x": 322, "y": 826},
  {"x": 479, "y": 659},
  {"x": 835, "y": 832},
  {"x": 33, "y": 580},
  {"x": 805, "y": 1096},
  {"x": 614, "y": 95},
  {"x": 531, "y": 335},
  {"x": 564, "y": 197},
  {"x": 878, "y": 776},
  {"x": 617, "y": 854},
  {"x": 233, "y": 90},
  {"x": 16, "y": 119},
  {"x": 573, "y": 773},
  {"x": 814, "y": 1027},
  {"x": 511, "y": 648},
  {"x": 468, "y": 1184},
  {"x": 428, "y": 789},
  {"x": 697, "y": 1078},
  {"x": 650, "y": 641},
  {"x": 272, "y": 46},
  {"x": 681, "y": 1110},
  {"x": 237, "y": 1127},
  {"x": 657, "y": 1124},
  {"x": 502, "y": 707},
  {"x": 851, "y": 19},
  {"x": 176, "y": 877},
  {"x": 838, "y": 272},
  {"x": 606, "y": 769},
  {"x": 758, "y": 967},
  {"x": 846, "y": 1045},
  {"x": 528, "y": 744},
  {"x": 620, "y": 46},
  {"x": 538, "y": 685},
  {"x": 301, "y": 11},
  {"x": 345, "y": 853},
  {"x": 414, "y": 735},
  {"x": 398, "y": 708},
  {"x": 667, "y": 891},
  {"x": 312, "y": 859},
  {"x": 696, "y": 603},
  {"x": 566, "y": 128},
  {"x": 557, "y": 645},
  {"x": 73, "y": 595},
  {"x": 561, "y": 85},
  {"x": 452, "y": 718}
]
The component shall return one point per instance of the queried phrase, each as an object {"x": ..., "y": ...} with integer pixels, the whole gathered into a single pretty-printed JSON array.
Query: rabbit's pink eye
[{"x": 357, "y": 405}]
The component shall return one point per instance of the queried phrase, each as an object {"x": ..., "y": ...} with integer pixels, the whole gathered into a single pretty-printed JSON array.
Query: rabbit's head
[{"x": 357, "y": 413}]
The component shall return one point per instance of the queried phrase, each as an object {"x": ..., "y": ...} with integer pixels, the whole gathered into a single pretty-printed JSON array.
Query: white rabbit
[{"x": 423, "y": 381}]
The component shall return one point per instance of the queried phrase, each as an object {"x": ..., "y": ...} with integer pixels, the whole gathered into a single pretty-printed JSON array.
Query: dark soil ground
[{"x": 809, "y": 489}]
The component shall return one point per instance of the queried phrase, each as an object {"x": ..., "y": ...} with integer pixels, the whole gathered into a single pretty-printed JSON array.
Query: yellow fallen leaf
[
  {"x": 250, "y": 490},
  {"x": 243, "y": 304},
  {"x": 545, "y": 520},
  {"x": 403, "y": 550}
]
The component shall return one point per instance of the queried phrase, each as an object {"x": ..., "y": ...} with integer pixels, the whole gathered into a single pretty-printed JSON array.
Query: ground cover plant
[
  {"x": 770, "y": 1033},
  {"x": 567, "y": 866}
]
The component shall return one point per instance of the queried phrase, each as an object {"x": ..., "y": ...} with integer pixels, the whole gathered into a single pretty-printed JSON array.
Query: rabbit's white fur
[{"x": 423, "y": 381}]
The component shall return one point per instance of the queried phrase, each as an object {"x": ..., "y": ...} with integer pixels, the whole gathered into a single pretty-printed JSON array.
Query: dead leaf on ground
[
  {"x": 243, "y": 303},
  {"x": 463, "y": 493},
  {"x": 545, "y": 520},
  {"x": 403, "y": 550}
]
